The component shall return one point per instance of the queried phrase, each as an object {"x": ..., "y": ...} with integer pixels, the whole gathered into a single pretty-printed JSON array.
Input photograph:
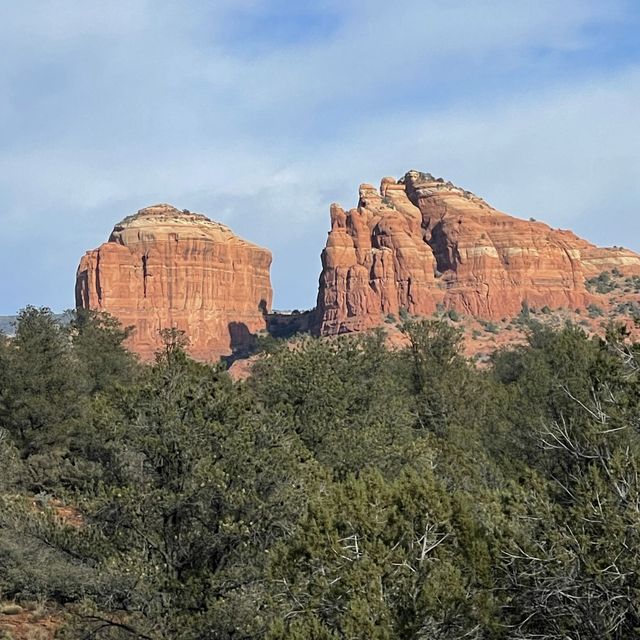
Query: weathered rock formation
[
  {"x": 164, "y": 268},
  {"x": 420, "y": 242}
]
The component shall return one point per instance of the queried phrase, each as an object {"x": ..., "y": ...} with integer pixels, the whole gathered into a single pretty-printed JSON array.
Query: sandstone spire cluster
[
  {"x": 420, "y": 243},
  {"x": 413, "y": 246},
  {"x": 164, "y": 268}
]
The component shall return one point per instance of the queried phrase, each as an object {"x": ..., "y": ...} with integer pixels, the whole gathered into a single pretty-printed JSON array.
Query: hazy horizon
[{"x": 259, "y": 114}]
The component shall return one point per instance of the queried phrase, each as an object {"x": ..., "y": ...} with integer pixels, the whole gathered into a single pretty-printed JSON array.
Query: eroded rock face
[
  {"x": 420, "y": 242},
  {"x": 164, "y": 268}
]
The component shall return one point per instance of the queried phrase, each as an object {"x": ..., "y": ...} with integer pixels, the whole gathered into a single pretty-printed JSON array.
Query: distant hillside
[{"x": 7, "y": 322}]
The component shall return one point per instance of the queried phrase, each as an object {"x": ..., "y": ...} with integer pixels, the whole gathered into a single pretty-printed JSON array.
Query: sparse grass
[
  {"x": 37, "y": 633},
  {"x": 525, "y": 313},
  {"x": 38, "y": 612},
  {"x": 11, "y": 609}
]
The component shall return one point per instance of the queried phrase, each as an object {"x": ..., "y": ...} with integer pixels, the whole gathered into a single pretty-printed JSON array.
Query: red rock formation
[
  {"x": 421, "y": 242},
  {"x": 168, "y": 268}
]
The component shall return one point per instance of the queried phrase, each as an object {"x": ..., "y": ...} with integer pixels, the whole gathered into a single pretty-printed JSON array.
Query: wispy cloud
[{"x": 260, "y": 116}]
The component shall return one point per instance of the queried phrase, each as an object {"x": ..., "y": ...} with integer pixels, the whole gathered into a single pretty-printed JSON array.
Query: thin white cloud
[{"x": 113, "y": 106}]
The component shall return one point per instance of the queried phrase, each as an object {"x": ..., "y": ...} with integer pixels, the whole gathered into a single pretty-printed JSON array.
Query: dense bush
[
  {"x": 604, "y": 282},
  {"x": 344, "y": 490}
]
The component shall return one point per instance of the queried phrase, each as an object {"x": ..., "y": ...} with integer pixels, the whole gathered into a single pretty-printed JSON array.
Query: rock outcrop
[
  {"x": 164, "y": 268},
  {"x": 421, "y": 243}
]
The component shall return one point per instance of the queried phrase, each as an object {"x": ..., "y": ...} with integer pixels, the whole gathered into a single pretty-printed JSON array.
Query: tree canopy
[{"x": 344, "y": 490}]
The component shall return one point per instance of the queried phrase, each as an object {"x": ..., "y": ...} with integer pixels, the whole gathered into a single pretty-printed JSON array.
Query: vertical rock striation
[
  {"x": 163, "y": 268},
  {"x": 420, "y": 242}
]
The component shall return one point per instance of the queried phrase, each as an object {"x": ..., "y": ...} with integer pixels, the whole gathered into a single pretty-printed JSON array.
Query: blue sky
[{"x": 261, "y": 113}]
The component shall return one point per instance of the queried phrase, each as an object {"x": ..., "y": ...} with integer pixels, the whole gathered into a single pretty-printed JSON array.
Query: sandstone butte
[
  {"x": 421, "y": 244},
  {"x": 164, "y": 268}
]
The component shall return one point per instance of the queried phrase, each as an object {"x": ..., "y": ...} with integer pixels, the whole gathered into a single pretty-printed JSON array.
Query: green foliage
[
  {"x": 594, "y": 310},
  {"x": 453, "y": 315},
  {"x": 490, "y": 327},
  {"x": 576, "y": 575},
  {"x": 267, "y": 344},
  {"x": 39, "y": 392},
  {"x": 630, "y": 308},
  {"x": 98, "y": 342},
  {"x": 604, "y": 282},
  {"x": 388, "y": 202},
  {"x": 438, "y": 373},
  {"x": 382, "y": 559},
  {"x": 345, "y": 490},
  {"x": 345, "y": 399},
  {"x": 633, "y": 282},
  {"x": 194, "y": 487}
]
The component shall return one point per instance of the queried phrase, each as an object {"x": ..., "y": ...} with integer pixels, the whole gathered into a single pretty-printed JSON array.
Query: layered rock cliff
[
  {"x": 421, "y": 243},
  {"x": 164, "y": 268}
]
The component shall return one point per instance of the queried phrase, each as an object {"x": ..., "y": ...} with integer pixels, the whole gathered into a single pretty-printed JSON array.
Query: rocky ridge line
[{"x": 420, "y": 244}]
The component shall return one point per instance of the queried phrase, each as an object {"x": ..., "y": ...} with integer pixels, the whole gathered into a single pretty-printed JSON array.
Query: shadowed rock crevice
[
  {"x": 242, "y": 342},
  {"x": 281, "y": 325},
  {"x": 445, "y": 256},
  {"x": 144, "y": 274}
]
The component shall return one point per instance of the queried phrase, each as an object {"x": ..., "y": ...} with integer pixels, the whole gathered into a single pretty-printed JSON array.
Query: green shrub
[
  {"x": 388, "y": 202},
  {"x": 601, "y": 283},
  {"x": 344, "y": 489},
  {"x": 630, "y": 308},
  {"x": 595, "y": 311},
  {"x": 491, "y": 327}
]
